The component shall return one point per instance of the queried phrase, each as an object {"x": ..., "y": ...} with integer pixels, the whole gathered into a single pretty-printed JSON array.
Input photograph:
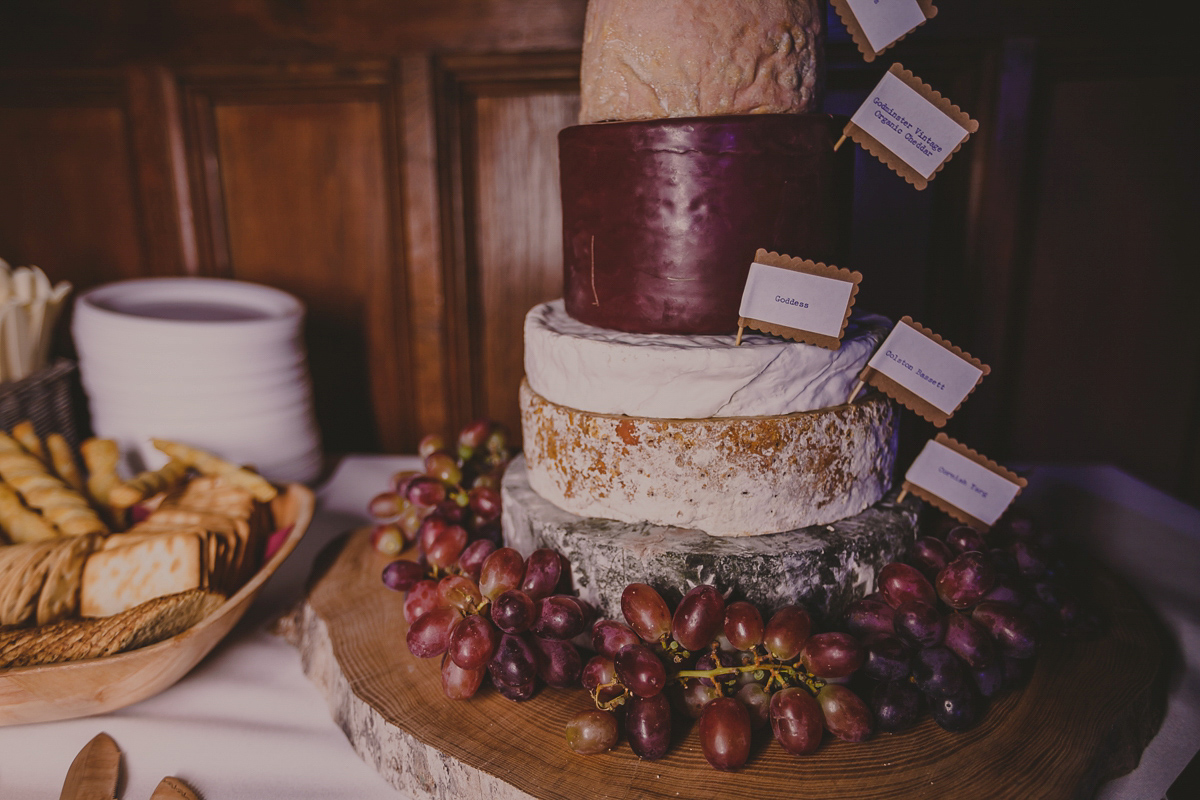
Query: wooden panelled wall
[{"x": 394, "y": 165}]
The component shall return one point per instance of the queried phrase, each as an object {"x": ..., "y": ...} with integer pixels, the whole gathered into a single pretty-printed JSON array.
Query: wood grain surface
[{"x": 1085, "y": 717}]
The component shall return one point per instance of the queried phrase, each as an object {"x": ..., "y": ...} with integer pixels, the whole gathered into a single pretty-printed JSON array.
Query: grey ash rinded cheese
[{"x": 823, "y": 567}]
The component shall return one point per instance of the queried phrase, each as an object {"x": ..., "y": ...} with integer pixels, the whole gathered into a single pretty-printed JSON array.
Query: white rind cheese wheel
[
  {"x": 727, "y": 476},
  {"x": 649, "y": 59},
  {"x": 669, "y": 376}
]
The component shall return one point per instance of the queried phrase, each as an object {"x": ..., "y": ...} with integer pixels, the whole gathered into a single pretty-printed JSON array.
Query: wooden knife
[
  {"x": 93, "y": 773},
  {"x": 173, "y": 789}
]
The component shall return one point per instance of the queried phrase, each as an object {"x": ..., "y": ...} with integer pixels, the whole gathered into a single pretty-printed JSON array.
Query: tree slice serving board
[{"x": 1085, "y": 716}]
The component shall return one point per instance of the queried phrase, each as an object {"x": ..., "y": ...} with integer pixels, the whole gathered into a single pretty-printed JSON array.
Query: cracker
[{"x": 122, "y": 577}]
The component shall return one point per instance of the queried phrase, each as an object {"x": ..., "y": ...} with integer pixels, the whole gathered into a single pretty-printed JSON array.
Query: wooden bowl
[{"x": 98, "y": 685}]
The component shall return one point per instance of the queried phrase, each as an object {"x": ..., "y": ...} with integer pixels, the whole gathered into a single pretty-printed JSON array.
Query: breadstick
[
  {"x": 63, "y": 507},
  {"x": 101, "y": 456},
  {"x": 209, "y": 464},
  {"x": 148, "y": 483},
  {"x": 22, "y": 524},
  {"x": 24, "y": 433},
  {"x": 9, "y": 444},
  {"x": 63, "y": 461}
]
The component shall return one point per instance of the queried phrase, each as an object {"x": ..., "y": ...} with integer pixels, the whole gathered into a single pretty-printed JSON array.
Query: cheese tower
[{"x": 655, "y": 449}]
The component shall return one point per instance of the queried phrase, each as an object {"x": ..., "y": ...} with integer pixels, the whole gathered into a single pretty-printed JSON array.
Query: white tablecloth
[{"x": 247, "y": 724}]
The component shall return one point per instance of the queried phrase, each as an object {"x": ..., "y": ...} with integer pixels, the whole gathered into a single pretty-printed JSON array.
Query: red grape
[
  {"x": 472, "y": 558},
  {"x": 937, "y": 672},
  {"x": 592, "y": 732},
  {"x": 1014, "y": 632},
  {"x": 786, "y": 632},
  {"x": 930, "y": 555},
  {"x": 447, "y": 547},
  {"x": 426, "y": 492},
  {"x": 473, "y": 642},
  {"x": 485, "y": 501},
  {"x": 600, "y": 671},
  {"x": 444, "y": 467},
  {"x": 432, "y": 527},
  {"x": 475, "y": 433},
  {"x": 421, "y": 599},
  {"x": 900, "y": 582},
  {"x": 501, "y": 571},
  {"x": 386, "y": 506},
  {"x": 560, "y": 617},
  {"x": 402, "y": 575},
  {"x": 648, "y": 726},
  {"x": 725, "y": 733},
  {"x": 698, "y": 617},
  {"x": 757, "y": 701},
  {"x": 514, "y": 662},
  {"x": 559, "y": 663},
  {"x": 543, "y": 571},
  {"x": 640, "y": 670},
  {"x": 646, "y": 612},
  {"x": 388, "y": 539},
  {"x": 743, "y": 625},
  {"x": 610, "y": 636},
  {"x": 430, "y": 443},
  {"x": 459, "y": 592},
  {"x": 963, "y": 539},
  {"x": 846, "y": 715},
  {"x": 969, "y": 641},
  {"x": 695, "y": 694},
  {"x": 958, "y": 712},
  {"x": 897, "y": 705},
  {"x": 514, "y": 611},
  {"x": 796, "y": 720},
  {"x": 429, "y": 636},
  {"x": 887, "y": 658},
  {"x": 832, "y": 655},
  {"x": 459, "y": 683},
  {"x": 966, "y": 580},
  {"x": 920, "y": 623},
  {"x": 870, "y": 615}
]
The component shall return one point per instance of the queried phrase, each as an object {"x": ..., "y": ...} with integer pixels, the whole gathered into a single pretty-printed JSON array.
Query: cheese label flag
[
  {"x": 801, "y": 300},
  {"x": 972, "y": 489},
  {"x": 923, "y": 371},
  {"x": 876, "y": 25},
  {"x": 909, "y": 127}
]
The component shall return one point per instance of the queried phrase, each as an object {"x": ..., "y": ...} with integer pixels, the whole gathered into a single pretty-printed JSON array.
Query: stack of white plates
[{"x": 216, "y": 364}]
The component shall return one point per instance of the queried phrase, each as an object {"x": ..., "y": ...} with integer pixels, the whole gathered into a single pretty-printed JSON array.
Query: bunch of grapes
[
  {"x": 455, "y": 501},
  {"x": 496, "y": 614},
  {"x": 723, "y": 665},
  {"x": 961, "y": 622}
]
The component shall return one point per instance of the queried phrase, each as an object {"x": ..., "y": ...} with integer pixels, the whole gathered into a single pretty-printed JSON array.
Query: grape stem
[{"x": 783, "y": 674}]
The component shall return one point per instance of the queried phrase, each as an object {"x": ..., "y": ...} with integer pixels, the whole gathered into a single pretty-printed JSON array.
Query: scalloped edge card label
[
  {"x": 923, "y": 371},
  {"x": 805, "y": 301},
  {"x": 969, "y": 487},
  {"x": 909, "y": 127},
  {"x": 876, "y": 25}
]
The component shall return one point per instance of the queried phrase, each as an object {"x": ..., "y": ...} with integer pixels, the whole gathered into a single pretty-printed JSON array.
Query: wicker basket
[{"x": 49, "y": 398}]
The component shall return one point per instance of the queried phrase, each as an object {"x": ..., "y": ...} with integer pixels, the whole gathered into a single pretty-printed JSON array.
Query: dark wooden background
[{"x": 394, "y": 164}]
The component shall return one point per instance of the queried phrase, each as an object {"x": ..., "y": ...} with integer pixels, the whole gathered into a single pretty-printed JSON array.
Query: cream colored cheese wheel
[
  {"x": 726, "y": 476},
  {"x": 669, "y": 376},
  {"x": 649, "y": 59}
]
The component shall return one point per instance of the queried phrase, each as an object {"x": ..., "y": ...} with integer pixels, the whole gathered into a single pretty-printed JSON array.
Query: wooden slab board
[{"x": 1086, "y": 715}]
